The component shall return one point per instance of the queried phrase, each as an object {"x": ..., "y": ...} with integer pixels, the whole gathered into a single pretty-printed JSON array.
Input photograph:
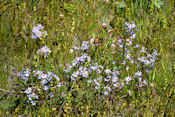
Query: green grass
[{"x": 82, "y": 20}]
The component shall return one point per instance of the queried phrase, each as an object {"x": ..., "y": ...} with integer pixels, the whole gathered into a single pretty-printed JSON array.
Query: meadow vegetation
[{"x": 87, "y": 58}]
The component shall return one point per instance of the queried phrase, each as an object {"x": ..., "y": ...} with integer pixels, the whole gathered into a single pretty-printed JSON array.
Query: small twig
[{"x": 123, "y": 96}]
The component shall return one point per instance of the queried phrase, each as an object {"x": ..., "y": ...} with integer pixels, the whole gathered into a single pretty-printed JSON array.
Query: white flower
[
  {"x": 61, "y": 16},
  {"x": 75, "y": 74},
  {"x": 127, "y": 79},
  {"x": 127, "y": 67},
  {"x": 129, "y": 92},
  {"x": 71, "y": 51},
  {"x": 45, "y": 87},
  {"x": 133, "y": 36},
  {"x": 107, "y": 71},
  {"x": 28, "y": 90},
  {"x": 139, "y": 73},
  {"x": 114, "y": 78},
  {"x": 85, "y": 74},
  {"x": 144, "y": 82},
  {"x": 33, "y": 103},
  {"x": 106, "y": 93}
]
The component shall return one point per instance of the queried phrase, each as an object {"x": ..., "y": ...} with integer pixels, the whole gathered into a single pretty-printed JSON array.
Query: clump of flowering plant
[
  {"x": 45, "y": 51},
  {"x": 38, "y": 32},
  {"x": 37, "y": 86},
  {"x": 107, "y": 79}
]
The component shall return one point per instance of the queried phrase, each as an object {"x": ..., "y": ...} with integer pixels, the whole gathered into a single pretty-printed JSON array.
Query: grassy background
[{"x": 82, "y": 20}]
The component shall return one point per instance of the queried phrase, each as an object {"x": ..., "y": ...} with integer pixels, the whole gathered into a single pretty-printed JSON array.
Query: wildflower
[
  {"x": 33, "y": 36},
  {"x": 143, "y": 50},
  {"x": 97, "y": 87},
  {"x": 127, "y": 67},
  {"x": 75, "y": 62},
  {"x": 33, "y": 103},
  {"x": 104, "y": 25},
  {"x": 75, "y": 48},
  {"x": 96, "y": 82},
  {"x": 120, "y": 45},
  {"x": 85, "y": 45},
  {"x": 28, "y": 90},
  {"x": 61, "y": 16},
  {"x": 33, "y": 95},
  {"x": 71, "y": 51},
  {"x": 107, "y": 71},
  {"x": 133, "y": 36},
  {"x": 106, "y": 93},
  {"x": 59, "y": 84},
  {"x": 51, "y": 95},
  {"x": 127, "y": 79},
  {"x": 106, "y": 79},
  {"x": 56, "y": 77},
  {"x": 114, "y": 79},
  {"x": 124, "y": 62},
  {"x": 139, "y": 73},
  {"x": 144, "y": 81},
  {"x": 120, "y": 41},
  {"x": 94, "y": 67},
  {"x": 127, "y": 56},
  {"x": 129, "y": 27},
  {"x": 129, "y": 92},
  {"x": 113, "y": 62},
  {"x": 151, "y": 85},
  {"x": 137, "y": 46},
  {"x": 45, "y": 87},
  {"x": 110, "y": 31},
  {"x": 44, "y": 51},
  {"x": 45, "y": 33},
  {"x": 113, "y": 46},
  {"x": 37, "y": 32},
  {"x": 89, "y": 81},
  {"x": 43, "y": 82},
  {"x": 92, "y": 40},
  {"x": 75, "y": 74},
  {"x": 39, "y": 26},
  {"x": 85, "y": 74},
  {"x": 107, "y": 88}
]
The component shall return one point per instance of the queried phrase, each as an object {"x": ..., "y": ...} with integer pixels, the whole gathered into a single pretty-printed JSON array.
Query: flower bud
[
  {"x": 104, "y": 25},
  {"x": 110, "y": 31},
  {"x": 61, "y": 16}
]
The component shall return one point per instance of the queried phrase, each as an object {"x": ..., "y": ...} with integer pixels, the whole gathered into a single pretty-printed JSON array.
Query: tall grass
[{"x": 82, "y": 21}]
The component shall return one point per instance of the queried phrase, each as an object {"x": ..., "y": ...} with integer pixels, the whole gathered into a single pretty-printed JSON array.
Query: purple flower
[
  {"x": 44, "y": 51},
  {"x": 28, "y": 90}
]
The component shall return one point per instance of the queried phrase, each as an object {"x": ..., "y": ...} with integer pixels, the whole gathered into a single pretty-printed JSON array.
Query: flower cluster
[
  {"x": 107, "y": 80},
  {"x": 38, "y": 32},
  {"x": 38, "y": 84},
  {"x": 44, "y": 51},
  {"x": 103, "y": 79},
  {"x": 32, "y": 97},
  {"x": 84, "y": 46}
]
